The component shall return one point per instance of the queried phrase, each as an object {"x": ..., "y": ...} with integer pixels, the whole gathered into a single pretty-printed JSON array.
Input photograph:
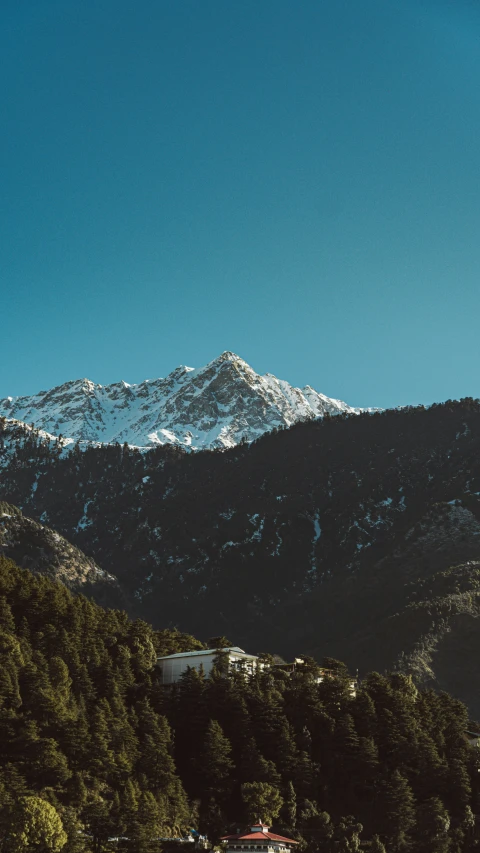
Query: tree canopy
[{"x": 95, "y": 748}]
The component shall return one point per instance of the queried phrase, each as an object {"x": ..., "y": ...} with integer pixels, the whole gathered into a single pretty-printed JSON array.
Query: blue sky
[{"x": 298, "y": 182}]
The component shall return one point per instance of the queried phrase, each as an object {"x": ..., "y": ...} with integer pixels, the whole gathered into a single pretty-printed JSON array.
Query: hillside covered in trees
[
  {"x": 356, "y": 536},
  {"x": 90, "y": 738}
]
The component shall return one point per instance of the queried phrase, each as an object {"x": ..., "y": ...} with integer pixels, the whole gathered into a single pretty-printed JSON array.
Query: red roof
[{"x": 258, "y": 836}]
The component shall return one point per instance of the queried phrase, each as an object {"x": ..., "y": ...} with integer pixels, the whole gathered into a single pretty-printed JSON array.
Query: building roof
[
  {"x": 234, "y": 649},
  {"x": 258, "y": 836}
]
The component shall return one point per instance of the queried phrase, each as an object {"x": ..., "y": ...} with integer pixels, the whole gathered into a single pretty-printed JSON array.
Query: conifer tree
[
  {"x": 253, "y": 767},
  {"x": 145, "y": 825},
  {"x": 433, "y": 823},
  {"x": 74, "y": 830},
  {"x": 215, "y": 763},
  {"x": 189, "y": 715},
  {"x": 362, "y": 709},
  {"x": 398, "y": 812},
  {"x": 289, "y": 810},
  {"x": 97, "y": 820},
  {"x": 7, "y": 622}
]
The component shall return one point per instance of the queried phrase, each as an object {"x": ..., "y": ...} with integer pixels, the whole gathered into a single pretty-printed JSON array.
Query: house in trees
[
  {"x": 257, "y": 838},
  {"x": 321, "y": 673},
  {"x": 473, "y": 738},
  {"x": 231, "y": 659}
]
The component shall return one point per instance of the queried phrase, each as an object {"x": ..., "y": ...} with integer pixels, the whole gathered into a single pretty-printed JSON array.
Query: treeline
[{"x": 90, "y": 738}]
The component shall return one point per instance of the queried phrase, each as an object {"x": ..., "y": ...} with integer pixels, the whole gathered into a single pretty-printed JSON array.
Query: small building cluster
[{"x": 232, "y": 659}]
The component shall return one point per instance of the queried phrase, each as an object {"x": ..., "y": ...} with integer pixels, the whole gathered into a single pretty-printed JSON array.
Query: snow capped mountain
[{"x": 213, "y": 406}]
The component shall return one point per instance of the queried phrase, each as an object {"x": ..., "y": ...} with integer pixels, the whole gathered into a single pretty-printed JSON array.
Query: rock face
[
  {"x": 43, "y": 551},
  {"x": 214, "y": 406}
]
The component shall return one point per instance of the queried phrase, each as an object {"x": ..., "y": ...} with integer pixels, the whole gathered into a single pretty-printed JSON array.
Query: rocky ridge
[
  {"x": 218, "y": 405},
  {"x": 43, "y": 551}
]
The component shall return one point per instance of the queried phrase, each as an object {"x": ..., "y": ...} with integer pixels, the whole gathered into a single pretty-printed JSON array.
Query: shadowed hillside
[{"x": 354, "y": 535}]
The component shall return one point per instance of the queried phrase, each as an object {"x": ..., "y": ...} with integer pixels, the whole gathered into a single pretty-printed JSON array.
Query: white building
[
  {"x": 173, "y": 666},
  {"x": 473, "y": 739},
  {"x": 258, "y": 838}
]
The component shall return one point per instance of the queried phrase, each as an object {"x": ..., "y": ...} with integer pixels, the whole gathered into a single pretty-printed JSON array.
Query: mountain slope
[
  {"x": 43, "y": 551},
  {"x": 214, "y": 406},
  {"x": 355, "y": 536}
]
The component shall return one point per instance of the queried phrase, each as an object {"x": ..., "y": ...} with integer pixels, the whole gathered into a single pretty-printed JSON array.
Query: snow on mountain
[
  {"x": 213, "y": 406},
  {"x": 14, "y": 433}
]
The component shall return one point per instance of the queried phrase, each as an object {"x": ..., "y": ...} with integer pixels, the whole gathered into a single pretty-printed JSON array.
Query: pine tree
[
  {"x": 155, "y": 759},
  {"x": 102, "y": 759},
  {"x": 7, "y": 622},
  {"x": 271, "y": 729},
  {"x": 46, "y": 765},
  {"x": 458, "y": 793},
  {"x": 98, "y": 824},
  {"x": 215, "y": 763},
  {"x": 144, "y": 829},
  {"x": 433, "y": 823},
  {"x": 398, "y": 812},
  {"x": 253, "y": 767},
  {"x": 362, "y": 709},
  {"x": 189, "y": 716},
  {"x": 73, "y": 829},
  {"x": 346, "y": 743},
  {"x": 289, "y": 810}
]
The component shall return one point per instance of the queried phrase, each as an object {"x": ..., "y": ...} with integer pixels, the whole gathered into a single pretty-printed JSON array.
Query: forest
[
  {"x": 318, "y": 532},
  {"x": 98, "y": 756}
]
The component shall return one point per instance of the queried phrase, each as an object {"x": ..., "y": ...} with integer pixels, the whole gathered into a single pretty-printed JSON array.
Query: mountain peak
[
  {"x": 227, "y": 356},
  {"x": 218, "y": 405}
]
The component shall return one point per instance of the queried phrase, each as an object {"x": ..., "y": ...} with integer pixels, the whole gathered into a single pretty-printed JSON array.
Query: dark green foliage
[
  {"x": 289, "y": 811},
  {"x": 86, "y": 726},
  {"x": 76, "y": 724},
  {"x": 263, "y": 802},
  {"x": 35, "y": 826},
  {"x": 215, "y": 764},
  {"x": 218, "y": 643},
  {"x": 433, "y": 823}
]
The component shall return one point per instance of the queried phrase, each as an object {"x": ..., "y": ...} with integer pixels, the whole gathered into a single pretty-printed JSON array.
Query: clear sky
[{"x": 294, "y": 180}]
